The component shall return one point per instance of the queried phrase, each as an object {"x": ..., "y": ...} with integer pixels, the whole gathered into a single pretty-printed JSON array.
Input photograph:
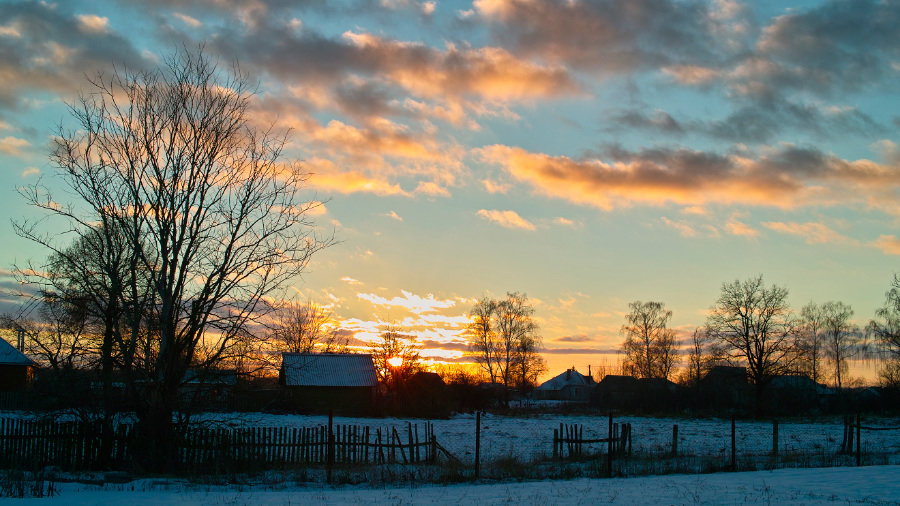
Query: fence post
[
  {"x": 675, "y": 440},
  {"x": 555, "y": 443},
  {"x": 609, "y": 442},
  {"x": 733, "y": 457},
  {"x": 477, "y": 443},
  {"x": 775, "y": 438},
  {"x": 858, "y": 445},
  {"x": 330, "y": 450}
]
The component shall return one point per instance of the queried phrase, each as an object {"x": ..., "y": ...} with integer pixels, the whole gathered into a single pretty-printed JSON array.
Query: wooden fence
[
  {"x": 82, "y": 446},
  {"x": 569, "y": 441}
]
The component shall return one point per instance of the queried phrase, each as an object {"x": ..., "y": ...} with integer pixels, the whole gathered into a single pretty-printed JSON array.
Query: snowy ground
[
  {"x": 866, "y": 485},
  {"x": 531, "y": 437}
]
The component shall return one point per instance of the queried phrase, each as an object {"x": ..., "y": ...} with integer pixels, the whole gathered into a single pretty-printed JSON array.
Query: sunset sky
[{"x": 586, "y": 153}]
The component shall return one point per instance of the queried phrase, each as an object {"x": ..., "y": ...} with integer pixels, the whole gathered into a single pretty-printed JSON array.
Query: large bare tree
[
  {"x": 842, "y": 339},
  {"x": 649, "y": 344},
  {"x": 886, "y": 330},
  {"x": 811, "y": 344},
  {"x": 483, "y": 337},
  {"x": 505, "y": 341},
  {"x": 754, "y": 324},
  {"x": 171, "y": 159}
]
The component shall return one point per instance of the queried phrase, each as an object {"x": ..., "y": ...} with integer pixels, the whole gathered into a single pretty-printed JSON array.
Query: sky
[{"x": 585, "y": 153}]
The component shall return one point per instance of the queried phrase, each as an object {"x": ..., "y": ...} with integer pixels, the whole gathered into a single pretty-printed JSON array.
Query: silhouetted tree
[
  {"x": 753, "y": 322},
  {"x": 483, "y": 337},
  {"x": 396, "y": 357},
  {"x": 305, "y": 328},
  {"x": 886, "y": 330},
  {"x": 649, "y": 345},
  {"x": 170, "y": 159},
  {"x": 811, "y": 343},
  {"x": 841, "y": 337}
]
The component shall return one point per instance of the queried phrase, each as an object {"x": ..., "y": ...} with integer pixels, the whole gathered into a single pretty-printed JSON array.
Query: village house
[
  {"x": 318, "y": 382},
  {"x": 569, "y": 386},
  {"x": 16, "y": 370}
]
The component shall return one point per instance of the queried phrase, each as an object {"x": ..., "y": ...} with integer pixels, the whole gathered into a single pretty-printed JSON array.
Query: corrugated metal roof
[
  {"x": 11, "y": 356},
  {"x": 328, "y": 370}
]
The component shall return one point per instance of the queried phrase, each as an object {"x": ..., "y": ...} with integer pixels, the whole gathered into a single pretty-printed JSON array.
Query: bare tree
[
  {"x": 305, "y": 328},
  {"x": 504, "y": 339},
  {"x": 811, "y": 342},
  {"x": 649, "y": 345},
  {"x": 483, "y": 337},
  {"x": 396, "y": 357},
  {"x": 886, "y": 330},
  {"x": 753, "y": 322},
  {"x": 517, "y": 338},
  {"x": 58, "y": 337},
  {"x": 841, "y": 337},
  {"x": 702, "y": 355},
  {"x": 171, "y": 158}
]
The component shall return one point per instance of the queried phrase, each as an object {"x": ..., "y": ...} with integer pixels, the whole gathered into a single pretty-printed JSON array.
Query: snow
[
  {"x": 845, "y": 485},
  {"x": 532, "y": 436}
]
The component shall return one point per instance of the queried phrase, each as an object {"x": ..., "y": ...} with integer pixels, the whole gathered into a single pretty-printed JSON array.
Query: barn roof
[
  {"x": 11, "y": 356},
  {"x": 328, "y": 370}
]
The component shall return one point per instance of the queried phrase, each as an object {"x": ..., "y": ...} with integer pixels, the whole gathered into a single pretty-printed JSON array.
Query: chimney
[
  {"x": 589, "y": 372},
  {"x": 20, "y": 339}
]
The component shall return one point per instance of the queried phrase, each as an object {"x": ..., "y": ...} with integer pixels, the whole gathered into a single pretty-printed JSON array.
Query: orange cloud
[
  {"x": 812, "y": 233},
  {"x": 683, "y": 228},
  {"x": 888, "y": 244},
  {"x": 785, "y": 177},
  {"x": 508, "y": 219}
]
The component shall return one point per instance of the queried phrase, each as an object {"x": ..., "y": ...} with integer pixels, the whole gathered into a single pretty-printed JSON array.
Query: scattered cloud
[
  {"x": 683, "y": 228},
  {"x": 92, "y": 23},
  {"x": 495, "y": 187},
  {"x": 507, "y": 219},
  {"x": 811, "y": 233},
  {"x": 410, "y": 301},
  {"x": 30, "y": 171},
  {"x": 188, "y": 20},
  {"x": 13, "y": 146},
  {"x": 888, "y": 244},
  {"x": 394, "y": 215},
  {"x": 736, "y": 227},
  {"x": 351, "y": 281}
]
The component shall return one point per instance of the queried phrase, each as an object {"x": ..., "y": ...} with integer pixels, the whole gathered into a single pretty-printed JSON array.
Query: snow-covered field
[
  {"x": 878, "y": 485},
  {"x": 532, "y": 436}
]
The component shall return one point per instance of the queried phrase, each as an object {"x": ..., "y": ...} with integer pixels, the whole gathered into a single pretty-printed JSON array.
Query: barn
[
  {"x": 319, "y": 382},
  {"x": 16, "y": 370}
]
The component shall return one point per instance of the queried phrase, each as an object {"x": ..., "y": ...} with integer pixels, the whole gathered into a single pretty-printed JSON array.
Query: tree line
[{"x": 751, "y": 325}]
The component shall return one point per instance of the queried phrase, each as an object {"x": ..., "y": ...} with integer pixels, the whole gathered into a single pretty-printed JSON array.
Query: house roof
[
  {"x": 328, "y": 370},
  {"x": 568, "y": 378},
  {"x": 11, "y": 356}
]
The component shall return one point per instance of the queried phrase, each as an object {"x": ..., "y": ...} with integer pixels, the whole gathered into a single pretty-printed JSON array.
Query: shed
[
  {"x": 16, "y": 370},
  {"x": 318, "y": 382}
]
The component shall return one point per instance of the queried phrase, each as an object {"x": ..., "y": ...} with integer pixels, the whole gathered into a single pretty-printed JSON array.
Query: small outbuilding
[
  {"x": 16, "y": 370},
  {"x": 319, "y": 382}
]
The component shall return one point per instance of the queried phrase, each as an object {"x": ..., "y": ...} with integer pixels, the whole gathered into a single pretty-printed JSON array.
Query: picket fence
[{"x": 85, "y": 445}]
